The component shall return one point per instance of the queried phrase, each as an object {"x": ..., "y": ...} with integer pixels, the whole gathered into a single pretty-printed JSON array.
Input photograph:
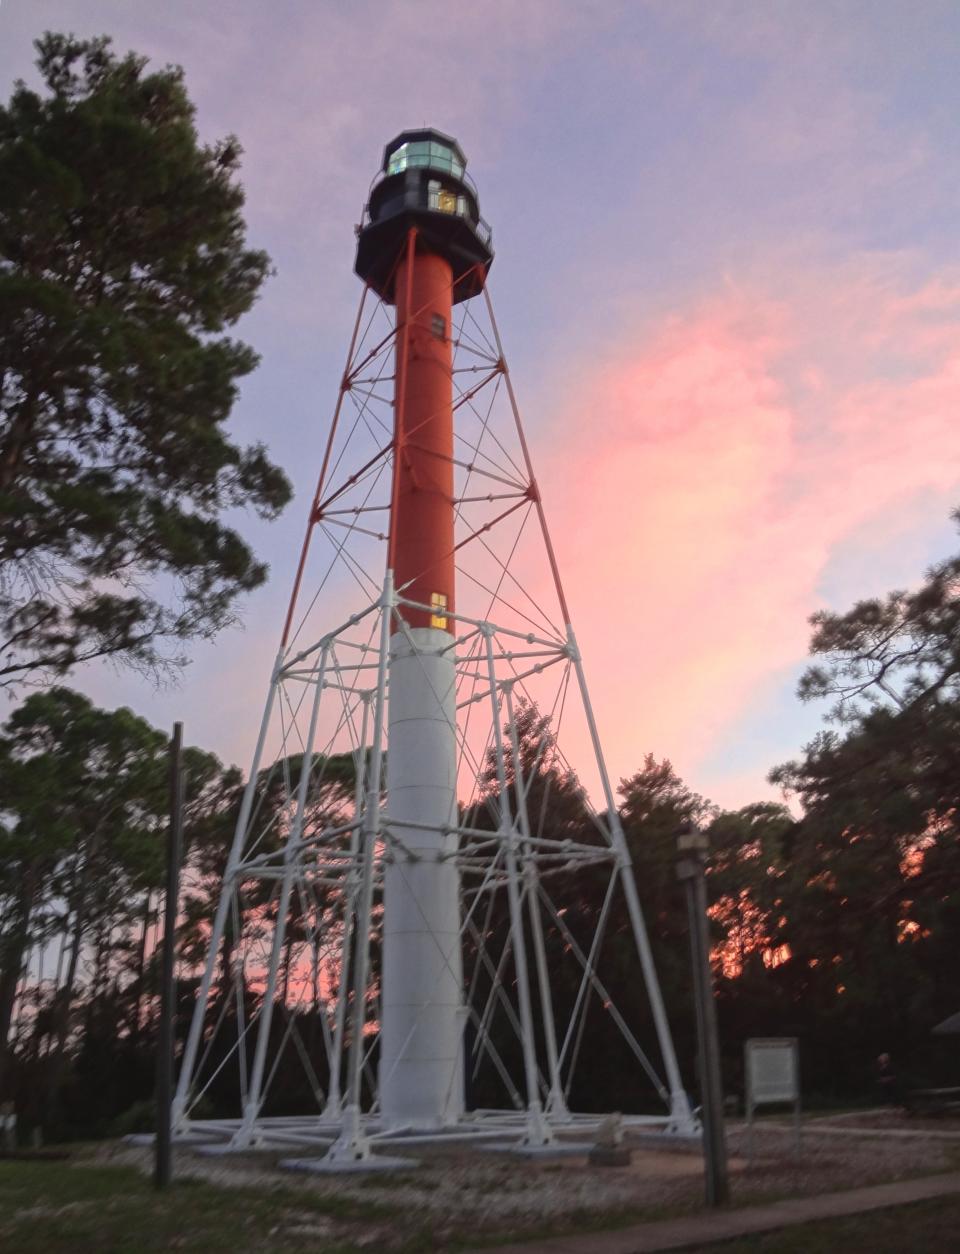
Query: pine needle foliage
[{"x": 123, "y": 262}]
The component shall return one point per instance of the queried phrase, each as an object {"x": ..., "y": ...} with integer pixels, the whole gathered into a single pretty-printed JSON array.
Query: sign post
[{"x": 772, "y": 1076}]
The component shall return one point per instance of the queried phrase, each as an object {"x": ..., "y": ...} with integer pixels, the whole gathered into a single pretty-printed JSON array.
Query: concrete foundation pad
[
  {"x": 559, "y": 1149},
  {"x": 189, "y": 1140},
  {"x": 461, "y": 1137},
  {"x": 265, "y": 1145},
  {"x": 639, "y": 1137},
  {"x": 346, "y": 1167}
]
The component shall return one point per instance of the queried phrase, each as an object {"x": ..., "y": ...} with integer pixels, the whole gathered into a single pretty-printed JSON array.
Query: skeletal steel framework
[{"x": 301, "y": 903}]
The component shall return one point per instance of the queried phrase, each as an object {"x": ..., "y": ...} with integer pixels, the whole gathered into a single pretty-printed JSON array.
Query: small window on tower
[
  {"x": 447, "y": 202},
  {"x": 438, "y": 325},
  {"x": 438, "y": 602}
]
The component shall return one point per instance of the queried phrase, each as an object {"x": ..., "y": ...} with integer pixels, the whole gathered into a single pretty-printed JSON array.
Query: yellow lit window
[
  {"x": 438, "y": 601},
  {"x": 447, "y": 202}
]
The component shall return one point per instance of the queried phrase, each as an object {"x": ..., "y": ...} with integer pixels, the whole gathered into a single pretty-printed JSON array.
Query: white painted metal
[
  {"x": 680, "y": 1113},
  {"x": 333, "y": 1108},
  {"x": 178, "y": 1114},
  {"x": 352, "y": 1144},
  {"x": 556, "y": 1102},
  {"x": 246, "y": 1134},
  {"x": 538, "y": 1130},
  {"x": 421, "y": 1050}
]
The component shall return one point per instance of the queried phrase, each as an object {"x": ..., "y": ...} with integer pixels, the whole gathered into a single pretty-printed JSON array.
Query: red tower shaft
[{"x": 422, "y": 522}]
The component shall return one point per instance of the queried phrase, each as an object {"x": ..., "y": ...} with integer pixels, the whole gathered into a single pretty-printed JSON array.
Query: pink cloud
[{"x": 721, "y": 462}]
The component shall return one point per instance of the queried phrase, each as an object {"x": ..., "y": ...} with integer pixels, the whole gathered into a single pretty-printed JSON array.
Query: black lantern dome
[{"x": 423, "y": 183}]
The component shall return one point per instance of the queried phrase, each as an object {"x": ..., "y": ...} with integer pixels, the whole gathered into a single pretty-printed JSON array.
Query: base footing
[
  {"x": 348, "y": 1167},
  {"x": 557, "y": 1149}
]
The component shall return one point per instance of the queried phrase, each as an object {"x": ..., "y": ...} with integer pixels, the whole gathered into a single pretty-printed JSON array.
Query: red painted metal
[
  {"x": 312, "y": 517},
  {"x": 422, "y": 543},
  {"x": 403, "y": 297},
  {"x": 533, "y": 489}
]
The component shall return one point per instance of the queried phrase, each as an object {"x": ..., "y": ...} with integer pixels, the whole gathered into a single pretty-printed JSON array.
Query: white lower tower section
[{"x": 421, "y": 1034}]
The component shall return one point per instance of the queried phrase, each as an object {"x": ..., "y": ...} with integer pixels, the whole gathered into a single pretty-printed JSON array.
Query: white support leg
[
  {"x": 334, "y": 1106},
  {"x": 538, "y": 1131},
  {"x": 179, "y": 1111},
  {"x": 681, "y": 1117},
  {"x": 352, "y": 1145},
  {"x": 246, "y": 1133},
  {"x": 556, "y": 1102}
]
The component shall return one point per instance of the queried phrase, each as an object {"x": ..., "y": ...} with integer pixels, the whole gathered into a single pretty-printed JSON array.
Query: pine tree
[{"x": 123, "y": 261}]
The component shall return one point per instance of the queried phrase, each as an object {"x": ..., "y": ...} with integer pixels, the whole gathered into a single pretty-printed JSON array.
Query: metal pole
[
  {"x": 692, "y": 845},
  {"x": 681, "y": 1120},
  {"x": 538, "y": 1131},
  {"x": 246, "y": 1132},
  {"x": 333, "y": 1108},
  {"x": 187, "y": 1063},
  {"x": 168, "y": 998},
  {"x": 352, "y": 1144},
  {"x": 556, "y": 1105}
]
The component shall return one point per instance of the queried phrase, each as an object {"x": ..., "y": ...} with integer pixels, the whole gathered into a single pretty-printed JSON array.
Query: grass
[
  {"x": 92, "y": 1208},
  {"x": 929, "y": 1225},
  {"x": 56, "y": 1208},
  {"x": 85, "y": 1207}
]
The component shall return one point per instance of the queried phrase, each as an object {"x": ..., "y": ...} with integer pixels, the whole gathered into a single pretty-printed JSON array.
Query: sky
[{"x": 727, "y": 277}]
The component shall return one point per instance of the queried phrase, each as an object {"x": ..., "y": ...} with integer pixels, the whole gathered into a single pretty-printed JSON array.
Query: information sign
[
  {"x": 772, "y": 1071},
  {"x": 772, "y": 1075}
]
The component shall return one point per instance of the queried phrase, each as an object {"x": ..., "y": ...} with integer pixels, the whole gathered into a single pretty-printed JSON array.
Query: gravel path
[{"x": 469, "y": 1196}]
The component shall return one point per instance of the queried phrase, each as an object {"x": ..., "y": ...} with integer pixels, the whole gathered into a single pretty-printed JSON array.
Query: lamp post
[{"x": 692, "y": 846}]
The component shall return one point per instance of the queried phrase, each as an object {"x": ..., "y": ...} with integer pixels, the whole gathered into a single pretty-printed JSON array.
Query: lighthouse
[
  {"x": 391, "y": 930},
  {"x": 423, "y": 248}
]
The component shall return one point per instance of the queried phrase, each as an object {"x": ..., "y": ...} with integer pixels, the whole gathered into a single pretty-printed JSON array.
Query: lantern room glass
[{"x": 425, "y": 153}]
